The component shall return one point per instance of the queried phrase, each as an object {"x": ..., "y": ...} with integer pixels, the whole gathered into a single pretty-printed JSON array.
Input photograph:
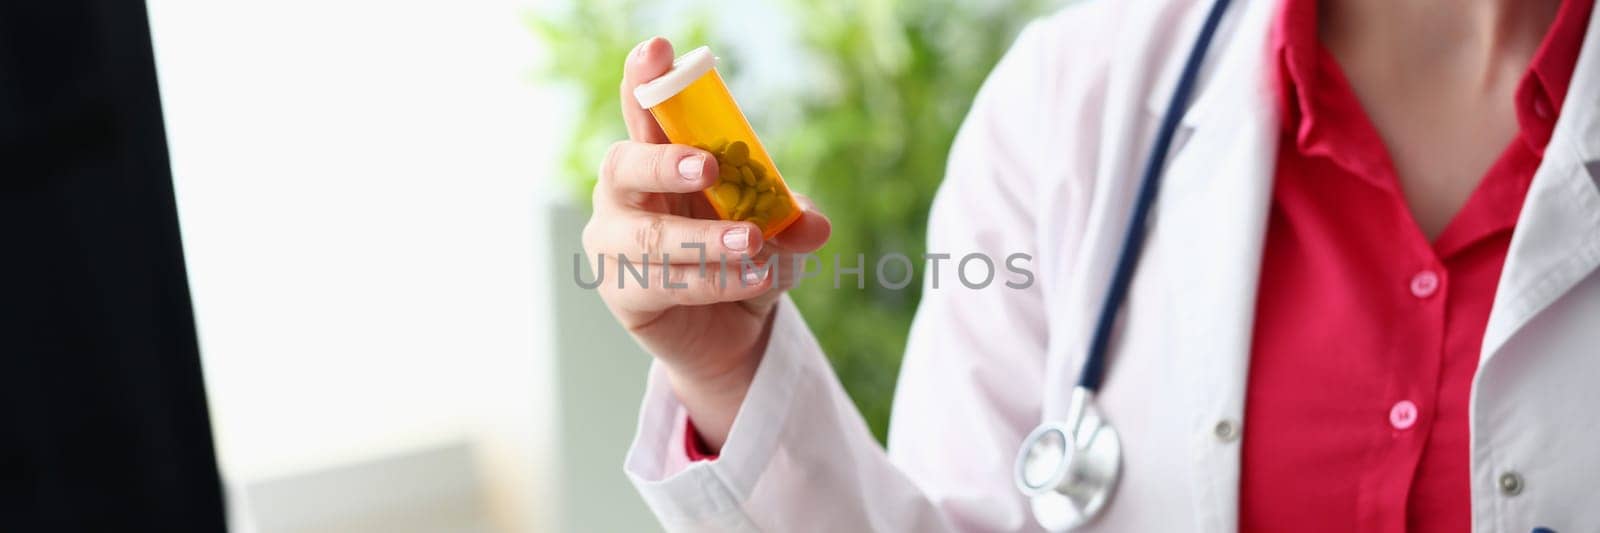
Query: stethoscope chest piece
[{"x": 1069, "y": 468}]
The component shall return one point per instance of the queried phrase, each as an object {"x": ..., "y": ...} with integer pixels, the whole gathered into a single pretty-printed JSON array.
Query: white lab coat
[{"x": 1047, "y": 163}]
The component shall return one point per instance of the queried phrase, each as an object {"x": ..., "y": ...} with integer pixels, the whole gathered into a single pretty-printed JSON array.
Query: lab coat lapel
[
  {"x": 1557, "y": 240},
  {"x": 1211, "y": 222}
]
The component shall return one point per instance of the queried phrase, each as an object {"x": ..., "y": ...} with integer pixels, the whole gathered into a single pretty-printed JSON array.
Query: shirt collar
[
  {"x": 1320, "y": 113},
  {"x": 1543, "y": 89},
  {"x": 1294, "y": 44},
  {"x": 1302, "y": 72}
]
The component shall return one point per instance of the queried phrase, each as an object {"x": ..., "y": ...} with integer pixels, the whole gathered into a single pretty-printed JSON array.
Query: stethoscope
[{"x": 1069, "y": 468}]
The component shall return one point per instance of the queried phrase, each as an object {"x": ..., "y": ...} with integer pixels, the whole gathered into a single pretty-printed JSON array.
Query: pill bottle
[{"x": 693, "y": 106}]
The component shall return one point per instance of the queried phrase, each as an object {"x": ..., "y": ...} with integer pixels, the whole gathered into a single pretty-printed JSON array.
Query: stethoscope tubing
[
  {"x": 1079, "y": 474},
  {"x": 1094, "y": 364}
]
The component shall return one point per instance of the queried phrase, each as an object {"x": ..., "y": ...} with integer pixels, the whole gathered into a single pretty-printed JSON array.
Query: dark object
[
  {"x": 103, "y": 423},
  {"x": 1094, "y": 363}
]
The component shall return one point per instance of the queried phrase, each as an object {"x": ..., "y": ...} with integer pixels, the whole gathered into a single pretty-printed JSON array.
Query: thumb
[{"x": 649, "y": 60}]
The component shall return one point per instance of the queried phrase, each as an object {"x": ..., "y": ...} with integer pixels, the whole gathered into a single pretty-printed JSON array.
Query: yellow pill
[
  {"x": 738, "y": 153},
  {"x": 747, "y": 200},
  {"x": 765, "y": 202},
  {"x": 693, "y": 105},
  {"x": 726, "y": 194}
]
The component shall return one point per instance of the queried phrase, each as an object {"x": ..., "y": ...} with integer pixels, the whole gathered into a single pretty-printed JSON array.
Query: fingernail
[
  {"x": 692, "y": 167},
  {"x": 638, "y": 50},
  {"x": 754, "y": 275},
  {"x": 736, "y": 239}
]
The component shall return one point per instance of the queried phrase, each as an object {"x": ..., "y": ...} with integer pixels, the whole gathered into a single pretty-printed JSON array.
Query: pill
[
  {"x": 745, "y": 189},
  {"x": 765, "y": 202},
  {"x": 747, "y": 200},
  {"x": 727, "y": 195},
  {"x": 738, "y": 153}
]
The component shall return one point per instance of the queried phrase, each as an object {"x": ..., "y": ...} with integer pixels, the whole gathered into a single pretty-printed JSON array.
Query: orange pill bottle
[{"x": 694, "y": 107}]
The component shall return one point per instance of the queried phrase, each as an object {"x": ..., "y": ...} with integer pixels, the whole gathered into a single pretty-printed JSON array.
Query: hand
[{"x": 708, "y": 335}]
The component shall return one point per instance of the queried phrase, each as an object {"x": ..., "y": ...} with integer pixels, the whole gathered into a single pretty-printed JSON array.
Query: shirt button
[
  {"x": 1226, "y": 431},
  {"x": 1424, "y": 284},
  {"x": 1510, "y": 483},
  {"x": 1403, "y": 415},
  {"x": 1541, "y": 107}
]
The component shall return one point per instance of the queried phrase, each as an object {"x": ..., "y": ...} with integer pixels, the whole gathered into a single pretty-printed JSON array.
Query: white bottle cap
[{"x": 685, "y": 69}]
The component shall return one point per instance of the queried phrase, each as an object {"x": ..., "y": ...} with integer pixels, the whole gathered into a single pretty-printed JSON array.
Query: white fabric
[{"x": 1045, "y": 165}]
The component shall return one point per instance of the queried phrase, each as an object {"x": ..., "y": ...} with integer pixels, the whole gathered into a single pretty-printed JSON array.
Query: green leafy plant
[
  {"x": 586, "y": 43},
  {"x": 867, "y": 140}
]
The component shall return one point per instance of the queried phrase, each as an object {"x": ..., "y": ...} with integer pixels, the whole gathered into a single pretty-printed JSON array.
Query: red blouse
[{"x": 1367, "y": 336}]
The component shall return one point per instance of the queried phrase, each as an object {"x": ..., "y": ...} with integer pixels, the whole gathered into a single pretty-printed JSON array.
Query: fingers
[
  {"x": 647, "y": 61},
  {"x": 632, "y": 168},
  {"x": 808, "y": 233},
  {"x": 656, "y": 287},
  {"x": 728, "y": 272},
  {"x": 658, "y": 238},
  {"x": 791, "y": 266},
  {"x": 632, "y": 172}
]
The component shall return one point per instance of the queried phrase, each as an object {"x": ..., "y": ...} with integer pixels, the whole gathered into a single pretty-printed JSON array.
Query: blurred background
[{"x": 381, "y": 203}]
